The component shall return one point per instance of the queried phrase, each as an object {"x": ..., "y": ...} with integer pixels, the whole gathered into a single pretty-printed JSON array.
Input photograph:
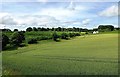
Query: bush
[
  {"x": 5, "y": 41},
  {"x": 17, "y": 38},
  {"x": 71, "y": 34},
  {"x": 86, "y": 33},
  {"x": 32, "y": 41},
  {"x": 64, "y": 36},
  {"x": 55, "y": 36},
  {"x": 46, "y": 37},
  {"x": 77, "y": 34}
]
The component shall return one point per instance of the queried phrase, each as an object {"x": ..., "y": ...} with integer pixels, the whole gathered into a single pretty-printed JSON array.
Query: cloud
[
  {"x": 77, "y": 23},
  {"x": 86, "y": 21},
  {"x": 38, "y": 20},
  {"x": 58, "y": 13},
  {"x": 71, "y": 6},
  {"x": 7, "y": 19},
  {"x": 110, "y": 12},
  {"x": 2, "y": 26},
  {"x": 65, "y": 13}
]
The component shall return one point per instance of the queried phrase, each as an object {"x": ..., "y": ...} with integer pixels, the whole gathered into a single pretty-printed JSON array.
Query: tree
[
  {"x": 15, "y": 30},
  {"x": 7, "y": 30},
  {"x": 29, "y": 29},
  {"x": 95, "y": 29},
  {"x": 64, "y": 36},
  {"x": 55, "y": 36},
  {"x": 103, "y": 28},
  {"x": 59, "y": 29},
  {"x": 39, "y": 29},
  {"x": 17, "y": 38},
  {"x": 35, "y": 29},
  {"x": 52, "y": 29},
  {"x": 5, "y": 41}
]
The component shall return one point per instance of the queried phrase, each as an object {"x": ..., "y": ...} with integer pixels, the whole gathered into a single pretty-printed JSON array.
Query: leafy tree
[
  {"x": 83, "y": 30},
  {"x": 53, "y": 29},
  {"x": 17, "y": 38},
  {"x": 48, "y": 29},
  {"x": 5, "y": 41},
  {"x": 59, "y": 29},
  {"x": 95, "y": 29},
  {"x": 32, "y": 41},
  {"x": 64, "y": 36},
  {"x": 71, "y": 34},
  {"x": 70, "y": 29},
  {"x": 35, "y": 29},
  {"x": 29, "y": 29},
  {"x": 103, "y": 28},
  {"x": 55, "y": 36},
  {"x": 15, "y": 30},
  {"x": 43, "y": 29},
  {"x": 7, "y": 30},
  {"x": 39, "y": 29}
]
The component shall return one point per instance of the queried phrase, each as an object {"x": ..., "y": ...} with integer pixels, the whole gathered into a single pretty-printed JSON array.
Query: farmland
[{"x": 82, "y": 55}]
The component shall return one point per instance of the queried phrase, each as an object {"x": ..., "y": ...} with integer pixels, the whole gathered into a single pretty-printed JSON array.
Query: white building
[{"x": 95, "y": 32}]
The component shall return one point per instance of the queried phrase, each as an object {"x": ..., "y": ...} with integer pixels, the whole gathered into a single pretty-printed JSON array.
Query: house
[{"x": 95, "y": 32}]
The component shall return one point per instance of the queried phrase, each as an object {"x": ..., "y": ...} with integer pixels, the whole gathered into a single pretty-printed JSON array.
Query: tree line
[{"x": 100, "y": 28}]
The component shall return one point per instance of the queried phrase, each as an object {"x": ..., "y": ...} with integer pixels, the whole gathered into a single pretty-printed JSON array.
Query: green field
[{"x": 83, "y": 55}]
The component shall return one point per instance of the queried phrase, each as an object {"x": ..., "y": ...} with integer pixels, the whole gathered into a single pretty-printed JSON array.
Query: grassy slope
[{"x": 93, "y": 54}]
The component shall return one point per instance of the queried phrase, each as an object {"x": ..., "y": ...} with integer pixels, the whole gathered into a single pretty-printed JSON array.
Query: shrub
[
  {"x": 32, "y": 41},
  {"x": 17, "y": 38},
  {"x": 46, "y": 37},
  {"x": 55, "y": 36},
  {"x": 86, "y": 33},
  {"x": 5, "y": 41},
  {"x": 71, "y": 34},
  {"x": 77, "y": 34},
  {"x": 64, "y": 36}
]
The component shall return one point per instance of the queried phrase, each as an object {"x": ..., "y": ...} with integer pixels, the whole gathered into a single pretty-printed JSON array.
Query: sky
[{"x": 44, "y": 13}]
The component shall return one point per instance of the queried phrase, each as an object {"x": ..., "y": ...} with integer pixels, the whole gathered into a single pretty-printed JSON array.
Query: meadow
[{"x": 83, "y": 55}]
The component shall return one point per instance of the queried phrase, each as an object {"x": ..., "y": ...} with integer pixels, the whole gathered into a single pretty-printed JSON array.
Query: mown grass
[{"x": 84, "y": 55}]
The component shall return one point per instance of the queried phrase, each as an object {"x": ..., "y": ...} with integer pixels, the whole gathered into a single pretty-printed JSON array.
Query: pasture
[{"x": 83, "y": 55}]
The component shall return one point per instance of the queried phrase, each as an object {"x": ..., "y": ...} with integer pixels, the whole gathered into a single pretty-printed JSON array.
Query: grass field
[{"x": 89, "y": 55}]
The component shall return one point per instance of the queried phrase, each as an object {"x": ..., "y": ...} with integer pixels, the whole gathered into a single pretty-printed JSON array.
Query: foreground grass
[{"x": 89, "y": 55}]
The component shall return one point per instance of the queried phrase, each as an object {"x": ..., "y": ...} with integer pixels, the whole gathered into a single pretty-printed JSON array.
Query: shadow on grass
[{"x": 11, "y": 48}]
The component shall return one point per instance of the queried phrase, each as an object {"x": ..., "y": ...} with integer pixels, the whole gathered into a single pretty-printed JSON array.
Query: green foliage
[
  {"x": 17, "y": 38},
  {"x": 15, "y": 30},
  {"x": 71, "y": 34},
  {"x": 32, "y": 41},
  {"x": 29, "y": 29},
  {"x": 65, "y": 36},
  {"x": 55, "y": 36},
  {"x": 5, "y": 41},
  {"x": 103, "y": 28},
  {"x": 77, "y": 34},
  {"x": 35, "y": 29}
]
